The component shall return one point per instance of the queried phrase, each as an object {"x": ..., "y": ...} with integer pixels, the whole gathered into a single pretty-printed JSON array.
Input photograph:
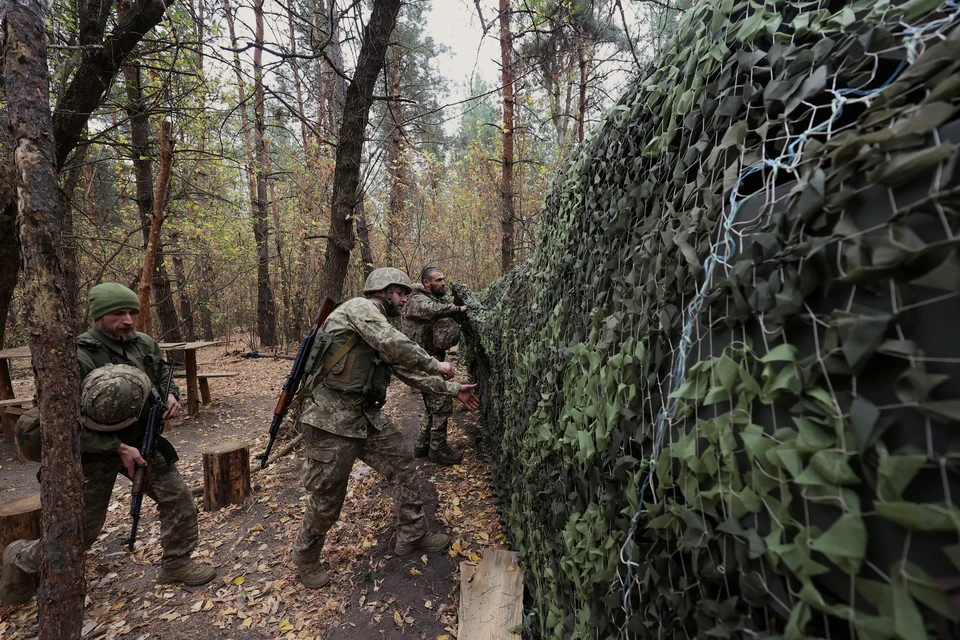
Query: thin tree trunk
[
  {"x": 52, "y": 341},
  {"x": 206, "y": 298},
  {"x": 363, "y": 235},
  {"x": 356, "y": 113},
  {"x": 289, "y": 330},
  {"x": 309, "y": 150},
  {"x": 9, "y": 249},
  {"x": 266, "y": 313},
  {"x": 507, "y": 216},
  {"x": 144, "y": 321},
  {"x": 582, "y": 102},
  {"x": 186, "y": 304},
  {"x": 396, "y": 160},
  {"x": 70, "y": 260}
]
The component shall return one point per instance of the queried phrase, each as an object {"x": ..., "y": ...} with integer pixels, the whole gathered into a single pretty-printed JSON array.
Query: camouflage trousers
[
  {"x": 433, "y": 425},
  {"x": 326, "y": 471},
  {"x": 178, "y": 511}
]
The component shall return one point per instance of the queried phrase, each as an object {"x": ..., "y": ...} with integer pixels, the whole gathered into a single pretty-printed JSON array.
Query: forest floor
[{"x": 257, "y": 594}]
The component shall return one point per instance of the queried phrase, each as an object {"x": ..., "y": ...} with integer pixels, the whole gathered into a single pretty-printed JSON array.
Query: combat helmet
[
  {"x": 446, "y": 333},
  {"x": 112, "y": 397},
  {"x": 380, "y": 279}
]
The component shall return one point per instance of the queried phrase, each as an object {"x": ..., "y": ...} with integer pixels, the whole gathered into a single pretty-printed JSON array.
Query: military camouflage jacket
[
  {"x": 421, "y": 313},
  {"x": 346, "y": 414},
  {"x": 94, "y": 350}
]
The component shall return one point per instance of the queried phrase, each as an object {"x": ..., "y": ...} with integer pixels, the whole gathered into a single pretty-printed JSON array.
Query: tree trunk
[
  {"x": 356, "y": 113},
  {"x": 582, "y": 102},
  {"x": 205, "y": 294},
  {"x": 52, "y": 341},
  {"x": 266, "y": 313},
  {"x": 396, "y": 160},
  {"x": 10, "y": 248},
  {"x": 70, "y": 260},
  {"x": 144, "y": 321},
  {"x": 140, "y": 155},
  {"x": 363, "y": 234},
  {"x": 186, "y": 305},
  {"x": 289, "y": 330},
  {"x": 507, "y": 216}
]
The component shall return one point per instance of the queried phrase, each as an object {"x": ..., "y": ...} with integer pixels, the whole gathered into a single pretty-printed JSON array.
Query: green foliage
[{"x": 724, "y": 387}]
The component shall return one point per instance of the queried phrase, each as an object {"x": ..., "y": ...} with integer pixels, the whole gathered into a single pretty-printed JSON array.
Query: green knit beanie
[{"x": 110, "y": 296}]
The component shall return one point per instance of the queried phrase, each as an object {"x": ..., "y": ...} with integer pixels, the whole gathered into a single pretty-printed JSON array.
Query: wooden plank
[
  {"x": 15, "y": 352},
  {"x": 16, "y": 402},
  {"x": 491, "y": 597},
  {"x": 8, "y": 423}
]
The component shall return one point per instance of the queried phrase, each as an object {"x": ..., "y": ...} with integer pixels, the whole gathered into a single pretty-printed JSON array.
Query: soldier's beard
[
  {"x": 390, "y": 308},
  {"x": 438, "y": 290},
  {"x": 117, "y": 336}
]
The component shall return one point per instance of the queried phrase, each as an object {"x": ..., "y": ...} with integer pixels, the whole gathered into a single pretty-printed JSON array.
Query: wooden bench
[{"x": 204, "y": 385}]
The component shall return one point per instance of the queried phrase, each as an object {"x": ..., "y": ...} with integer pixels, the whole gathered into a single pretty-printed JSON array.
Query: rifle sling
[
  {"x": 338, "y": 356},
  {"x": 327, "y": 366}
]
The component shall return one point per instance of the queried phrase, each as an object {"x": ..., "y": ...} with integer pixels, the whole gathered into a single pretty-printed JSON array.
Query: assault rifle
[
  {"x": 151, "y": 438},
  {"x": 295, "y": 378}
]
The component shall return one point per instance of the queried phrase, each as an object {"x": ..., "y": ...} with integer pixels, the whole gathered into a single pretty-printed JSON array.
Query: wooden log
[
  {"x": 491, "y": 597},
  {"x": 204, "y": 391},
  {"x": 19, "y": 519},
  {"x": 226, "y": 475}
]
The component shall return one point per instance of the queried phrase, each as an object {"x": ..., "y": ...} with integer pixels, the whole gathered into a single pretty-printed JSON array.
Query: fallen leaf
[
  {"x": 428, "y": 604},
  {"x": 423, "y": 559},
  {"x": 239, "y": 580},
  {"x": 475, "y": 556},
  {"x": 416, "y": 572},
  {"x": 286, "y": 627},
  {"x": 398, "y": 619}
]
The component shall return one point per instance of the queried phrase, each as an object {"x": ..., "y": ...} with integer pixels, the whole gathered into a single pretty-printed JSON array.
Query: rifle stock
[{"x": 295, "y": 378}]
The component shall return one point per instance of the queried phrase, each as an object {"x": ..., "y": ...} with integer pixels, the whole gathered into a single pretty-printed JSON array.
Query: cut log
[
  {"x": 20, "y": 519},
  {"x": 491, "y": 597},
  {"x": 226, "y": 475}
]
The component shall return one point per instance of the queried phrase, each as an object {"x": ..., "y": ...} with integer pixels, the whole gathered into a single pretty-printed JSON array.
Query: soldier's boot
[
  {"x": 192, "y": 574},
  {"x": 427, "y": 542},
  {"x": 421, "y": 452},
  {"x": 313, "y": 576},
  {"x": 446, "y": 455},
  {"x": 16, "y": 585}
]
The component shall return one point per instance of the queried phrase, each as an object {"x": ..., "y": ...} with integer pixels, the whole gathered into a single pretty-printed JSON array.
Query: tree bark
[
  {"x": 266, "y": 312},
  {"x": 145, "y": 321},
  {"x": 356, "y": 113},
  {"x": 363, "y": 235},
  {"x": 507, "y": 215},
  {"x": 396, "y": 160},
  {"x": 140, "y": 155},
  {"x": 186, "y": 303},
  {"x": 70, "y": 261},
  {"x": 52, "y": 341},
  {"x": 226, "y": 475},
  {"x": 10, "y": 248}
]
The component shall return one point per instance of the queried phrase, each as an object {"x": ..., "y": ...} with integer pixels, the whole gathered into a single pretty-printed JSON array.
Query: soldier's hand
[
  {"x": 130, "y": 457},
  {"x": 463, "y": 309},
  {"x": 469, "y": 399},
  {"x": 173, "y": 407},
  {"x": 447, "y": 370}
]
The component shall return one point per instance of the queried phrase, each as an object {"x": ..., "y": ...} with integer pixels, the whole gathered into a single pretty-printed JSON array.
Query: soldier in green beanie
[{"x": 111, "y": 449}]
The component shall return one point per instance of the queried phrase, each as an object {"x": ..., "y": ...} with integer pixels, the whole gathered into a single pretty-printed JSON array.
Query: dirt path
[{"x": 257, "y": 594}]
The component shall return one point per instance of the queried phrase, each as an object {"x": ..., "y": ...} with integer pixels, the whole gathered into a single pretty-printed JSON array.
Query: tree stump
[
  {"x": 19, "y": 519},
  {"x": 226, "y": 475}
]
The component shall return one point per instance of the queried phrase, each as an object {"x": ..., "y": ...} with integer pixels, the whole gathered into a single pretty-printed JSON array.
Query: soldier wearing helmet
[
  {"x": 118, "y": 368},
  {"x": 355, "y": 353},
  {"x": 429, "y": 320}
]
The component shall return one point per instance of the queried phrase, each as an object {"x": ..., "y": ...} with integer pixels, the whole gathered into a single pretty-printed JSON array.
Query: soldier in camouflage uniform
[
  {"x": 425, "y": 312},
  {"x": 117, "y": 368},
  {"x": 348, "y": 370}
]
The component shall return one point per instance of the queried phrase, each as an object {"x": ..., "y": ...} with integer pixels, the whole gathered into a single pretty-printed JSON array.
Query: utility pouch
[{"x": 378, "y": 379}]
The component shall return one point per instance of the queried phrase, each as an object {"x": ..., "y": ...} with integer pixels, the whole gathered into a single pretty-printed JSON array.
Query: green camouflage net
[{"x": 724, "y": 393}]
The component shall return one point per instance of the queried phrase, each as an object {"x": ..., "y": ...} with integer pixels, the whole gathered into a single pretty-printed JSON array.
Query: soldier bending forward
[{"x": 349, "y": 369}]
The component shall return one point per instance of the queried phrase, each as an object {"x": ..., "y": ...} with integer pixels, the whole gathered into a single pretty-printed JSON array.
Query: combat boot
[
  {"x": 16, "y": 585},
  {"x": 445, "y": 455},
  {"x": 426, "y": 542},
  {"x": 421, "y": 452},
  {"x": 192, "y": 574},
  {"x": 313, "y": 576}
]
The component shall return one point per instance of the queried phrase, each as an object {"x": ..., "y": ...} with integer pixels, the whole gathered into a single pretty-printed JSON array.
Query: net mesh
[{"x": 725, "y": 387}]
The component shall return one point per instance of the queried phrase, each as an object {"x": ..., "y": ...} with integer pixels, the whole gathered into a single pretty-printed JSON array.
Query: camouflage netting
[{"x": 724, "y": 394}]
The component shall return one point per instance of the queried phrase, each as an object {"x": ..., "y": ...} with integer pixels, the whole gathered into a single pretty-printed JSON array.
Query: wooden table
[
  {"x": 190, "y": 360},
  {"x": 9, "y": 420}
]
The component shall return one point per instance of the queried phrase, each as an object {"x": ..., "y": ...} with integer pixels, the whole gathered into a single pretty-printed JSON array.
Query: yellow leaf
[
  {"x": 483, "y": 536},
  {"x": 443, "y": 637},
  {"x": 208, "y": 605},
  {"x": 285, "y": 626},
  {"x": 511, "y": 568},
  {"x": 475, "y": 556},
  {"x": 398, "y": 619},
  {"x": 416, "y": 572},
  {"x": 247, "y": 622},
  {"x": 238, "y": 580}
]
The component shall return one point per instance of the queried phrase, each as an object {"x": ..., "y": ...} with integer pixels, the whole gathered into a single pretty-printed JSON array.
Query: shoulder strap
[{"x": 338, "y": 356}]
